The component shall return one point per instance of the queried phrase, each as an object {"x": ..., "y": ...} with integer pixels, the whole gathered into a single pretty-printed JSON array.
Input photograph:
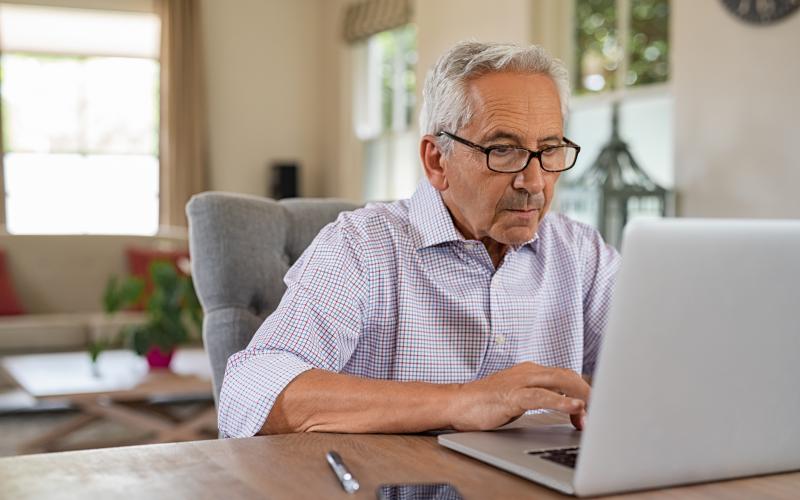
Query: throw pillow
[
  {"x": 10, "y": 304},
  {"x": 139, "y": 260}
]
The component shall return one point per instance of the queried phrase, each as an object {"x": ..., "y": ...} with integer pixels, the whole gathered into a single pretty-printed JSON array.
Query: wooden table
[
  {"x": 117, "y": 388},
  {"x": 293, "y": 466}
]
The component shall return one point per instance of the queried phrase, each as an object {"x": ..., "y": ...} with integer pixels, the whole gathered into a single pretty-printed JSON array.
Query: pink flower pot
[{"x": 158, "y": 359}]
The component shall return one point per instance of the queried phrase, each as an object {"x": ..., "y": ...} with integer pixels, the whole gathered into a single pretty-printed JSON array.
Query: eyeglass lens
[{"x": 553, "y": 159}]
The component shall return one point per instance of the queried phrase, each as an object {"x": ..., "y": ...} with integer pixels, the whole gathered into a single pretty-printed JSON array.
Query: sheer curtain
[
  {"x": 384, "y": 50},
  {"x": 183, "y": 145}
]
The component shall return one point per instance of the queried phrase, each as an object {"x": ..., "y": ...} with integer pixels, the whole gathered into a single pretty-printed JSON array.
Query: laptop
[{"x": 699, "y": 373}]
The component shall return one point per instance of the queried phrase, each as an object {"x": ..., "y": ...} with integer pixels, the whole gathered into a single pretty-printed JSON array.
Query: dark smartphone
[{"x": 418, "y": 491}]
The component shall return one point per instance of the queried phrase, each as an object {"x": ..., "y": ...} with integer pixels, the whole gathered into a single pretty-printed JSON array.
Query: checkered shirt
[{"x": 394, "y": 292}]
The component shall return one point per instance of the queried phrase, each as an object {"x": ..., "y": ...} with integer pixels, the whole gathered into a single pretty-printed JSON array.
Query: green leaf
[
  {"x": 110, "y": 297},
  {"x": 140, "y": 339},
  {"x": 95, "y": 348},
  {"x": 120, "y": 295}
]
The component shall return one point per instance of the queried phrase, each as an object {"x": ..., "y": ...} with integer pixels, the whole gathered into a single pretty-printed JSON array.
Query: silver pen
[{"x": 349, "y": 482}]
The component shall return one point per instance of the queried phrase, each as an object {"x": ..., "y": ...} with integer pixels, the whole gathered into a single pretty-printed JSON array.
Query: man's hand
[{"x": 504, "y": 396}]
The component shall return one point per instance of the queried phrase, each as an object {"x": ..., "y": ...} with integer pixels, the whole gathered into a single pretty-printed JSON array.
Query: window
[
  {"x": 384, "y": 101},
  {"x": 603, "y": 60},
  {"x": 634, "y": 74},
  {"x": 80, "y": 102}
]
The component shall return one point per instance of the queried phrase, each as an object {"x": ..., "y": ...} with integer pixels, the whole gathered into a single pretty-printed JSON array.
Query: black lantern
[{"x": 614, "y": 190}]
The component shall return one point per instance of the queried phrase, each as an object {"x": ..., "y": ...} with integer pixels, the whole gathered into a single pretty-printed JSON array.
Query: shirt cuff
[{"x": 250, "y": 388}]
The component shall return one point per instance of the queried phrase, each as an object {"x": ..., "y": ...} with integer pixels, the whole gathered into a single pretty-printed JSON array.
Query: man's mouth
[{"x": 525, "y": 214}]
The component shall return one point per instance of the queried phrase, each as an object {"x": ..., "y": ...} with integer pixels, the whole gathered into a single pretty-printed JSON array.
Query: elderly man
[{"x": 463, "y": 307}]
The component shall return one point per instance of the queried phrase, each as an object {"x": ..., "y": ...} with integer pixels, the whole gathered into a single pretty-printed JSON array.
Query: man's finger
[
  {"x": 538, "y": 399},
  {"x": 578, "y": 420},
  {"x": 560, "y": 380}
]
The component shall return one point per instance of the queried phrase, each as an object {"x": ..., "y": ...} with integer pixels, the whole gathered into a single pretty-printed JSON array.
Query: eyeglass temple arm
[{"x": 463, "y": 141}]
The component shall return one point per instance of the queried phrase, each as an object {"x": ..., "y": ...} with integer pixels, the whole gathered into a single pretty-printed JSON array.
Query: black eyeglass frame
[{"x": 531, "y": 154}]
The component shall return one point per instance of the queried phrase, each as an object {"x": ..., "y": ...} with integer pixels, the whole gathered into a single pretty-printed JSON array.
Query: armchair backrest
[{"x": 241, "y": 247}]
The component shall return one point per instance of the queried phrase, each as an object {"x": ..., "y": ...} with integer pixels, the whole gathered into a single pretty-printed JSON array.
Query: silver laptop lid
[{"x": 698, "y": 377}]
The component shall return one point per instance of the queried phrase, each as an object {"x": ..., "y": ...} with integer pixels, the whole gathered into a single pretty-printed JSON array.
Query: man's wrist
[{"x": 453, "y": 401}]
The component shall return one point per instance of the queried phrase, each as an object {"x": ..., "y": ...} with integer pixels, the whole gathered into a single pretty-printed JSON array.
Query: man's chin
[
  {"x": 519, "y": 235},
  {"x": 515, "y": 228}
]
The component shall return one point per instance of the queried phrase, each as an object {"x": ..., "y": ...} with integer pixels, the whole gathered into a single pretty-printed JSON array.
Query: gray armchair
[{"x": 241, "y": 247}]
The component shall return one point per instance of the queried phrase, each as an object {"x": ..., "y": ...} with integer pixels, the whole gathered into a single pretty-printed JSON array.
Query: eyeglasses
[{"x": 512, "y": 159}]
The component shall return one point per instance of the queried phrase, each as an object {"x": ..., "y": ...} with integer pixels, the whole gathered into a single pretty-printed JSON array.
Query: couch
[{"x": 59, "y": 281}]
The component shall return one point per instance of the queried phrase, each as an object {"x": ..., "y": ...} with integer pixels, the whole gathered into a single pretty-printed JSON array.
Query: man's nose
[{"x": 531, "y": 179}]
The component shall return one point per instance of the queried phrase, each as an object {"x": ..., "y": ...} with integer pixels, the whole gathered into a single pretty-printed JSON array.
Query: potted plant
[{"x": 174, "y": 314}]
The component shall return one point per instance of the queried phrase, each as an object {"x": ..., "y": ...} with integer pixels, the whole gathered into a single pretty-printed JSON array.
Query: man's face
[{"x": 509, "y": 109}]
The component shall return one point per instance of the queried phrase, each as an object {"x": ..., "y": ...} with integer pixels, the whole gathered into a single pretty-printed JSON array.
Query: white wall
[
  {"x": 340, "y": 172},
  {"x": 737, "y": 115},
  {"x": 264, "y": 90},
  {"x": 442, "y": 23}
]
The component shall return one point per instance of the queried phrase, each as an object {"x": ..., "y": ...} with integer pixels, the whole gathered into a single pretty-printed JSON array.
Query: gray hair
[{"x": 445, "y": 106}]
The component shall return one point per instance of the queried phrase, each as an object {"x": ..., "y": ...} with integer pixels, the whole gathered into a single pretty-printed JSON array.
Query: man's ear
[{"x": 431, "y": 157}]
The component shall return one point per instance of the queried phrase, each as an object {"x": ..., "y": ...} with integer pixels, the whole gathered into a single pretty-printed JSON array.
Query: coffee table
[{"x": 120, "y": 388}]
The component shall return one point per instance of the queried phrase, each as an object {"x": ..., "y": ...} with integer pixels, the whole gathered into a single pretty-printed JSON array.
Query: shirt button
[
  {"x": 499, "y": 339},
  {"x": 469, "y": 245}
]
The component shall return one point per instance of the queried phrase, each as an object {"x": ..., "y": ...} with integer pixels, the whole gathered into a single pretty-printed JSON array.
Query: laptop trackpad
[
  {"x": 539, "y": 438},
  {"x": 516, "y": 439}
]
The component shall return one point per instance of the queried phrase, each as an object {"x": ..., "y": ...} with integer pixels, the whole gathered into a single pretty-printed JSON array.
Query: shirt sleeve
[
  {"x": 317, "y": 325},
  {"x": 601, "y": 262}
]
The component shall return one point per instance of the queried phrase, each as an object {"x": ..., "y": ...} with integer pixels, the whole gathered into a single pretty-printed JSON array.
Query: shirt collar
[
  {"x": 432, "y": 223},
  {"x": 429, "y": 217}
]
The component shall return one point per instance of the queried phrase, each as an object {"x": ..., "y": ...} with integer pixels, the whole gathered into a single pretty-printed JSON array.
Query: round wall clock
[{"x": 761, "y": 11}]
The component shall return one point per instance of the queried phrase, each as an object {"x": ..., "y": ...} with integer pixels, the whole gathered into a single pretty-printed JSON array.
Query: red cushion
[
  {"x": 139, "y": 260},
  {"x": 9, "y": 302}
]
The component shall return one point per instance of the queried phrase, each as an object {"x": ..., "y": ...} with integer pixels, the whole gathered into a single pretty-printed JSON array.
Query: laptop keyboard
[{"x": 566, "y": 456}]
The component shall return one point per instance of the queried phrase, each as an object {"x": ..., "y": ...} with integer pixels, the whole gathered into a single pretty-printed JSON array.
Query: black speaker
[{"x": 284, "y": 180}]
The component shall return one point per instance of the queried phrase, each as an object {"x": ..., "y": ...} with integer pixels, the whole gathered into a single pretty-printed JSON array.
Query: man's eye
[{"x": 501, "y": 151}]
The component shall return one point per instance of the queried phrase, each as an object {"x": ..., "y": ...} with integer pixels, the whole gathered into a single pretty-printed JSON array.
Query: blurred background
[
  {"x": 115, "y": 112},
  {"x": 708, "y": 100}
]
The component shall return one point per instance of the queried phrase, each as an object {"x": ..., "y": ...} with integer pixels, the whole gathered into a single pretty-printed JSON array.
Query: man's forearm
[
  {"x": 323, "y": 401},
  {"x": 318, "y": 400}
]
